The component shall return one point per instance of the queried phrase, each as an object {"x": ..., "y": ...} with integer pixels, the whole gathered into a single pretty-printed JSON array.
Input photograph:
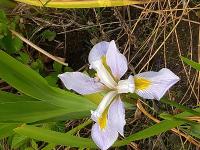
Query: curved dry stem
[
  {"x": 187, "y": 137},
  {"x": 38, "y": 48}
]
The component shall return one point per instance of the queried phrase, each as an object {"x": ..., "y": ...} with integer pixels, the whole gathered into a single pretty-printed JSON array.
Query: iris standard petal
[
  {"x": 81, "y": 83},
  {"x": 106, "y": 101},
  {"x": 116, "y": 115},
  {"x": 104, "y": 138},
  {"x": 153, "y": 85},
  {"x": 103, "y": 74},
  {"x": 98, "y": 51},
  {"x": 116, "y": 61}
]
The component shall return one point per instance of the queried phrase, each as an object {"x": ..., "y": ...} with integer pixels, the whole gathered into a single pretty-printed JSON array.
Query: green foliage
[
  {"x": 29, "y": 148},
  {"x": 9, "y": 43},
  {"x": 195, "y": 130},
  {"x": 48, "y": 35},
  {"x": 6, "y": 4},
  {"x": 23, "y": 57},
  {"x": 68, "y": 69},
  {"x": 57, "y": 67},
  {"x": 18, "y": 141},
  {"x": 191, "y": 63},
  {"x": 49, "y": 147},
  {"x": 34, "y": 145},
  {"x": 6, "y": 97},
  {"x": 156, "y": 129},
  {"x": 29, "y": 111},
  {"x": 52, "y": 78},
  {"x": 68, "y": 140},
  {"x": 3, "y": 30},
  {"x": 3, "y": 24},
  {"x": 7, "y": 129},
  {"x": 31, "y": 83},
  {"x": 179, "y": 106},
  {"x": 54, "y": 137},
  {"x": 37, "y": 65},
  {"x": 22, "y": 108}
]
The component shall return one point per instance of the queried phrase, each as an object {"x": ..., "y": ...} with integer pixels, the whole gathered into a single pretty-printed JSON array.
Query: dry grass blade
[
  {"x": 194, "y": 118},
  {"x": 187, "y": 137},
  {"x": 38, "y": 48}
]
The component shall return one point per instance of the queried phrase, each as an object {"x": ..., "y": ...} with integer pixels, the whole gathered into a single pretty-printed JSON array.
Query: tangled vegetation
[{"x": 39, "y": 43}]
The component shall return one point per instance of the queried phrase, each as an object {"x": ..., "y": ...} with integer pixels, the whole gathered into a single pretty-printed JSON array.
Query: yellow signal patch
[
  {"x": 103, "y": 119},
  {"x": 141, "y": 83}
]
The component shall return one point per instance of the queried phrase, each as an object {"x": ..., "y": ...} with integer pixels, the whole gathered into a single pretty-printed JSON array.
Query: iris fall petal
[
  {"x": 104, "y": 138},
  {"x": 116, "y": 115},
  {"x": 81, "y": 83},
  {"x": 153, "y": 85}
]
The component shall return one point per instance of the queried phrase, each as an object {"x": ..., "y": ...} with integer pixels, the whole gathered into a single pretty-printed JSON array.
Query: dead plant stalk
[{"x": 38, "y": 48}]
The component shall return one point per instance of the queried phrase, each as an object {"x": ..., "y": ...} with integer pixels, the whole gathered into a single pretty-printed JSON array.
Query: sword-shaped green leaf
[{"x": 29, "y": 82}]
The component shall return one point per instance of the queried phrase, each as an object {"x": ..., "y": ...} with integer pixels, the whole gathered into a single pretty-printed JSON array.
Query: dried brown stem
[{"x": 37, "y": 48}]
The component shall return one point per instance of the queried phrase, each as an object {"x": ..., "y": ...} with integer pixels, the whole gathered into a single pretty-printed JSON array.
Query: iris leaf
[
  {"x": 179, "y": 106},
  {"x": 32, "y": 84},
  {"x": 54, "y": 137},
  {"x": 69, "y": 140},
  {"x": 194, "y": 65},
  {"x": 6, "y": 129},
  {"x": 22, "y": 108}
]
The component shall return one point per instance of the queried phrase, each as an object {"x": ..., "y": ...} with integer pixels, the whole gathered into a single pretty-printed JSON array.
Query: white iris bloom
[{"x": 111, "y": 65}]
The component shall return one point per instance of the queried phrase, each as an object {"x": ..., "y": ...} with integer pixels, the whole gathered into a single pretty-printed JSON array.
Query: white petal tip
[
  {"x": 116, "y": 61},
  {"x": 104, "y": 138}
]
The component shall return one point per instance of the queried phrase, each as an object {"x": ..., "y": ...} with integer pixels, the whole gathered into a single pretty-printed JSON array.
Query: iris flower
[{"x": 110, "y": 65}]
